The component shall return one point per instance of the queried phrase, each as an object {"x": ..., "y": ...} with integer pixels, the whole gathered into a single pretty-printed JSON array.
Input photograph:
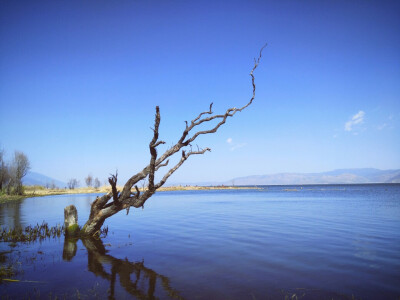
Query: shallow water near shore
[{"x": 304, "y": 242}]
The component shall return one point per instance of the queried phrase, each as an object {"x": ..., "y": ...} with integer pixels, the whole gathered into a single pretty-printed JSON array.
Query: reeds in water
[
  {"x": 30, "y": 234},
  {"x": 39, "y": 232}
]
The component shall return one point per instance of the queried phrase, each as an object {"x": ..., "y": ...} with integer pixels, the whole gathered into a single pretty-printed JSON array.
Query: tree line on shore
[
  {"x": 74, "y": 183},
  {"x": 89, "y": 180},
  {"x": 12, "y": 172}
]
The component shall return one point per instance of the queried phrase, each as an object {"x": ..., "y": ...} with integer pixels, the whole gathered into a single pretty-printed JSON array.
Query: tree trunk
[{"x": 92, "y": 226}]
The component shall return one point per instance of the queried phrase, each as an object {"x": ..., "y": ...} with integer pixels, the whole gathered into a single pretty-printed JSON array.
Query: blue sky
[{"x": 79, "y": 82}]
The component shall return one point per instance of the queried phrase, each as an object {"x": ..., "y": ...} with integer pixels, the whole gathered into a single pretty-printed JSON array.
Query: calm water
[{"x": 310, "y": 242}]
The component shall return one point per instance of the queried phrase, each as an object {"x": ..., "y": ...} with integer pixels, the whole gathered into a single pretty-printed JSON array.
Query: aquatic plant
[
  {"x": 6, "y": 271},
  {"x": 38, "y": 232},
  {"x": 30, "y": 233}
]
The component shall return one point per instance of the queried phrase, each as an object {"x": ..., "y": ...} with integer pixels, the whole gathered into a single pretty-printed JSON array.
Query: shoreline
[{"x": 39, "y": 191}]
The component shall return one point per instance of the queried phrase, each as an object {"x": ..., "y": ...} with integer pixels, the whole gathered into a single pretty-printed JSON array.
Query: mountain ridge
[
  {"x": 339, "y": 176},
  {"x": 34, "y": 178}
]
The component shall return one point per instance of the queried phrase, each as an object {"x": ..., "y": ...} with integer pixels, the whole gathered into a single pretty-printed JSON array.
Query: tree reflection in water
[
  {"x": 10, "y": 214},
  {"x": 142, "y": 284}
]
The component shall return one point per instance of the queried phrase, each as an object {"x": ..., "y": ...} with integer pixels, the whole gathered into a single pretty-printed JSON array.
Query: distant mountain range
[
  {"x": 341, "y": 176},
  {"x": 33, "y": 178}
]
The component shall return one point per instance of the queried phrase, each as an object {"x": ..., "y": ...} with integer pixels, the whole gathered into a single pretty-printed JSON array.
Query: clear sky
[{"x": 79, "y": 82}]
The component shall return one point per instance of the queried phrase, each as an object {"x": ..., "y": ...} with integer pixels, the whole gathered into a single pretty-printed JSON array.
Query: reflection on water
[
  {"x": 142, "y": 284},
  {"x": 311, "y": 242},
  {"x": 10, "y": 214},
  {"x": 133, "y": 277}
]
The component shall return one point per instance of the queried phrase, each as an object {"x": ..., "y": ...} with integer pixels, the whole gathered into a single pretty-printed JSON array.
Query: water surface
[{"x": 309, "y": 242}]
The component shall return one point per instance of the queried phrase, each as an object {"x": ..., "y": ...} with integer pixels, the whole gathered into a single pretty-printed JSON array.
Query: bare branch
[
  {"x": 101, "y": 209},
  {"x": 162, "y": 165},
  {"x": 256, "y": 63},
  {"x": 153, "y": 151},
  {"x": 133, "y": 180},
  {"x": 137, "y": 192},
  {"x": 113, "y": 182},
  {"x": 181, "y": 161},
  {"x": 197, "y": 121},
  {"x": 204, "y": 113},
  {"x": 101, "y": 201},
  {"x": 159, "y": 143}
]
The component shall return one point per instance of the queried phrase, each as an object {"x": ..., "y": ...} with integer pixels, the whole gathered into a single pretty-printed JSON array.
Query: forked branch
[
  {"x": 101, "y": 209},
  {"x": 113, "y": 182}
]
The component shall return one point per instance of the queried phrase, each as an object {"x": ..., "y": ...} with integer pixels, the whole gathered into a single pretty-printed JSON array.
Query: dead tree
[{"x": 130, "y": 196}]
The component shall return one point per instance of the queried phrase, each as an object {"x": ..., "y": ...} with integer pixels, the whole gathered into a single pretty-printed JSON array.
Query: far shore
[{"x": 40, "y": 191}]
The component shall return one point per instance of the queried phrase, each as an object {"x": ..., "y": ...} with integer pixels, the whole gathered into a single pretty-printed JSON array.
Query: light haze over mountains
[
  {"x": 34, "y": 178},
  {"x": 339, "y": 176}
]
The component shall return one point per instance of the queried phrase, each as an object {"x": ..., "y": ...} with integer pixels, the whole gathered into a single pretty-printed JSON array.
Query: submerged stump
[
  {"x": 71, "y": 221},
  {"x": 70, "y": 248}
]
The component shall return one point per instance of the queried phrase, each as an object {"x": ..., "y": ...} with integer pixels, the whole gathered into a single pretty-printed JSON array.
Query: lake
[{"x": 276, "y": 242}]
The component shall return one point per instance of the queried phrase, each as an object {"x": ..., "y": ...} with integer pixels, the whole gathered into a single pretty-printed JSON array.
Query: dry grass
[
  {"x": 198, "y": 188},
  {"x": 107, "y": 189},
  {"x": 40, "y": 191}
]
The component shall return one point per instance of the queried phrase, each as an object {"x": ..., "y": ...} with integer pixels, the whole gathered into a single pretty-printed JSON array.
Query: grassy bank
[{"x": 40, "y": 191}]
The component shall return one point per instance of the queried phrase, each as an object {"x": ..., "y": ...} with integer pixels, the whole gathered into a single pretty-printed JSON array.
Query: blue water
[{"x": 304, "y": 242}]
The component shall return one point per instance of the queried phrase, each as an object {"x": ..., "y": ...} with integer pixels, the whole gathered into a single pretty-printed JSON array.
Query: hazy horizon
[
  {"x": 225, "y": 181},
  {"x": 79, "y": 83}
]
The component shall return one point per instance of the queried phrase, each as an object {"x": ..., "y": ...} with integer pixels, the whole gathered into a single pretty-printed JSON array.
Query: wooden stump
[{"x": 71, "y": 221}]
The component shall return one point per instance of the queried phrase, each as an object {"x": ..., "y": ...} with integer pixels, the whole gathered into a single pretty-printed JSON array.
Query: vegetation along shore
[{"x": 40, "y": 191}]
